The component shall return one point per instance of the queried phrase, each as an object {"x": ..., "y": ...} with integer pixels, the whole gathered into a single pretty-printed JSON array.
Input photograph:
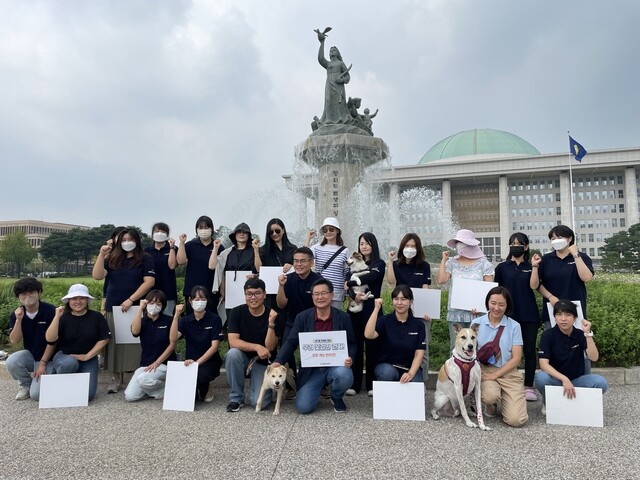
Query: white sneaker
[
  {"x": 209, "y": 396},
  {"x": 23, "y": 393},
  {"x": 350, "y": 393},
  {"x": 370, "y": 393}
]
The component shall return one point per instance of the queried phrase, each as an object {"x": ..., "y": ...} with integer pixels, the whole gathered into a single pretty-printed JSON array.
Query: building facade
[{"x": 35, "y": 230}]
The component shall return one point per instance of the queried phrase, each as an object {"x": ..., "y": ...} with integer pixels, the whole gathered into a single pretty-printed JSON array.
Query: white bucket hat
[
  {"x": 77, "y": 290},
  {"x": 331, "y": 222},
  {"x": 465, "y": 236}
]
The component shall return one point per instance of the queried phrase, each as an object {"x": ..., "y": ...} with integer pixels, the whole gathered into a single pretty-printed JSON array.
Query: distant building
[{"x": 35, "y": 230}]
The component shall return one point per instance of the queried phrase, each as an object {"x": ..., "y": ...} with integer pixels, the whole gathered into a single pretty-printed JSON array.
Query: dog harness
[{"x": 465, "y": 370}]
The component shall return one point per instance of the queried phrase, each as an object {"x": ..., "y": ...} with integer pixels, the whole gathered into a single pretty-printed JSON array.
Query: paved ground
[{"x": 113, "y": 439}]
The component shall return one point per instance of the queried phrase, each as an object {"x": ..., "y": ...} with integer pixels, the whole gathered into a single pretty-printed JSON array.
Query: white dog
[
  {"x": 358, "y": 268},
  {"x": 459, "y": 376},
  {"x": 274, "y": 379}
]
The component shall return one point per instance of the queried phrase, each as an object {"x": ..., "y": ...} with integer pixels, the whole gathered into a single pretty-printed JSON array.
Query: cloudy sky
[{"x": 131, "y": 112}]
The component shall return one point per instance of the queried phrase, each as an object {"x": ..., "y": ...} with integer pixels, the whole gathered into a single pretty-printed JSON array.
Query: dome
[{"x": 484, "y": 141}]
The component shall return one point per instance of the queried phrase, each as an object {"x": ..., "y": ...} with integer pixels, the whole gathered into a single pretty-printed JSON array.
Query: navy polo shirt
[
  {"x": 400, "y": 340},
  {"x": 79, "y": 334},
  {"x": 154, "y": 339},
  {"x": 165, "y": 276},
  {"x": 560, "y": 277},
  {"x": 298, "y": 293},
  {"x": 515, "y": 278},
  {"x": 250, "y": 328},
  {"x": 564, "y": 352},
  {"x": 33, "y": 330},
  {"x": 412, "y": 275},
  {"x": 198, "y": 272},
  {"x": 124, "y": 281},
  {"x": 199, "y": 334}
]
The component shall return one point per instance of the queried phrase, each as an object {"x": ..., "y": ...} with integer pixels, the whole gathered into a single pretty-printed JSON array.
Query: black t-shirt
[
  {"x": 165, "y": 277},
  {"x": 34, "y": 329},
  {"x": 124, "y": 281},
  {"x": 298, "y": 293},
  {"x": 79, "y": 334},
  {"x": 198, "y": 272},
  {"x": 240, "y": 260},
  {"x": 154, "y": 338},
  {"x": 276, "y": 257},
  {"x": 250, "y": 328},
  {"x": 564, "y": 352}
]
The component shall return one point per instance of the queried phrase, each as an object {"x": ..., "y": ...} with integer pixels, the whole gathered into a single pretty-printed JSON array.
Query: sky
[{"x": 133, "y": 112}]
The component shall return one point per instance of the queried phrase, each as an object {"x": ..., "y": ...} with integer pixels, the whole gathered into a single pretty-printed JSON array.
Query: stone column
[
  {"x": 630, "y": 196},
  {"x": 446, "y": 208},
  {"x": 565, "y": 199},
  {"x": 503, "y": 202}
]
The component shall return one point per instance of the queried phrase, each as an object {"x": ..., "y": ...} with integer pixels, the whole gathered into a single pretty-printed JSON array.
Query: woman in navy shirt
[
  {"x": 131, "y": 275},
  {"x": 515, "y": 275},
  {"x": 402, "y": 338},
  {"x": 164, "y": 253}
]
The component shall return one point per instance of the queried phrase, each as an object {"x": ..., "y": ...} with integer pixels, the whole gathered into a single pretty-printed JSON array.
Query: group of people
[{"x": 314, "y": 282}]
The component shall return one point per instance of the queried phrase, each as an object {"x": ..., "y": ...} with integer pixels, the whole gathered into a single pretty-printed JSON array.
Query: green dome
[{"x": 484, "y": 141}]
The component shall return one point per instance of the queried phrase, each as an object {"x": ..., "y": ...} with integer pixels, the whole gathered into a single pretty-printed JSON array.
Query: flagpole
[{"x": 573, "y": 213}]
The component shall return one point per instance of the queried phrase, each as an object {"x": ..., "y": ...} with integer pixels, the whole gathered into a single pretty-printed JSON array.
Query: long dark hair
[
  {"x": 118, "y": 255},
  {"x": 523, "y": 239},
  {"x": 419, "y": 258},
  {"x": 371, "y": 239},
  {"x": 269, "y": 244}
]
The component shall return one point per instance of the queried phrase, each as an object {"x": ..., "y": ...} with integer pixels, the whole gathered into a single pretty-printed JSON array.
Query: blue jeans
[
  {"x": 236, "y": 362},
  {"x": 20, "y": 365},
  {"x": 542, "y": 379},
  {"x": 339, "y": 378},
  {"x": 385, "y": 372},
  {"x": 63, "y": 363}
]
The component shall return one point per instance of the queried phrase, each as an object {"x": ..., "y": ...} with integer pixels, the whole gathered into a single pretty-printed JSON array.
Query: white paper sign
[
  {"x": 585, "y": 410},
  {"x": 398, "y": 401},
  {"x": 269, "y": 275},
  {"x": 64, "y": 390},
  {"x": 122, "y": 321},
  {"x": 577, "y": 323},
  {"x": 323, "y": 349},
  {"x": 180, "y": 387},
  {"x": 426, "y": 302},
  {"x": 469, "y": 294},
  {"x": 234, "y": 287}
]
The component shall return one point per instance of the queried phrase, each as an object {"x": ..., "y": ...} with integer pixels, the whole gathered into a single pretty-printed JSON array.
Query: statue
[{"x": 366, "y": 119}]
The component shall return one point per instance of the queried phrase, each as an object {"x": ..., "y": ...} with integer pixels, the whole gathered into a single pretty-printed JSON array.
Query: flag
[{"x": 576, "y": 149}]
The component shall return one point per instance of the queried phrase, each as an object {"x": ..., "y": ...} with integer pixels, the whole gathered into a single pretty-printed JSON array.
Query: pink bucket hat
[{"x": 465, "y": 236}]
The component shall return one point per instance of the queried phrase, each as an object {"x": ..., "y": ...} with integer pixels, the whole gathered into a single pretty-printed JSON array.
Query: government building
[{"x": 35, "y": 230}]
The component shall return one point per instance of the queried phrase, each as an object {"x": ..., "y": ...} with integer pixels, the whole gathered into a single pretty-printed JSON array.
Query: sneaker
[
  {"x": 530, "y": 395},
  {"x": 370, "y": 393},
  {"x": 208, "y": 398},
  {"x": 339, "y": 405},
  {"x": 351, "y": 392},
  {"x": 23, "y": 393},
  {"x": 490, "y": 410},
  {"x": 325, "y": 392},
  {"x": 544, "y": 410},
  {"x": 290, "y": 395},
  {"x": 234, "y": 406},
  {"x": 114, "y": 387}
]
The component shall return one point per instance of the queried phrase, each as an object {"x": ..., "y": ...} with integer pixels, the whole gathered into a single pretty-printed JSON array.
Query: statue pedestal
[{"x": 340, "y": 160}]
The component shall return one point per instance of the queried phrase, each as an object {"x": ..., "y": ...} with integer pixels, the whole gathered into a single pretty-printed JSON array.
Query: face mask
[
  {"x": 199, "y": 305},
  {"x": 516, "y": 250},
  {"x": 559, "y": 243},
  {"x": 409, "y": 252},
  {"x": 204, "y": 233},
  {"x": 153, "y": 309},
  {"x": 459, "y": 247},
  {"x": 128, "y": 246},
  {"x": 160, "y": 237}
]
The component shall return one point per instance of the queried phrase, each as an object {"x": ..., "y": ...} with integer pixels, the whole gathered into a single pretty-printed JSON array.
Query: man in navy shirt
[{"x": 29, "y": 323}]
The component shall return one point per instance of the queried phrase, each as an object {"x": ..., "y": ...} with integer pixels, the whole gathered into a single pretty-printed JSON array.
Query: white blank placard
[
  {"x": 577, "y": 323},
  {"x": 398, "y": 401},
  {"x": 269, "y": 275},
  {"x": 426, "y": 302},
  {"x": 585, "y": 410},
  {"x": 64, "y": 390},
  {"x": 469, "y": 294},
  {"x": 180, "y": 387},
  {"x": 122, "y": 322},
  {"x": 234, "y": 287}
]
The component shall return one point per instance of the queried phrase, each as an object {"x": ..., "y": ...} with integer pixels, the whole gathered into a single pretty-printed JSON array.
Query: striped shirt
[{"x": 337, "y": 272}]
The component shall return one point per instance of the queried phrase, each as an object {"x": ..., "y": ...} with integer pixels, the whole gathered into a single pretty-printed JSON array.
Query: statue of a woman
[{"x": 335, "y": 101}]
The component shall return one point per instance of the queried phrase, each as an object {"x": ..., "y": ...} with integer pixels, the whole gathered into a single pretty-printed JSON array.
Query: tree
[
  {"x": 56, "y": 249},
  {"x": 622, "y": 251},
  {"x": 433, "y": 252},
  {"x": 16, "y": 249}
]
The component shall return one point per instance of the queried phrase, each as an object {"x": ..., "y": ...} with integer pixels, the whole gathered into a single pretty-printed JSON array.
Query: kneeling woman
[
  {"x": 79, "y": 334},
  {"x": 152, "y": 326},
  {"x": 202, "y": 332},
  {"x": 402, "y": 339},
  {"x": 501, "y": 380}
]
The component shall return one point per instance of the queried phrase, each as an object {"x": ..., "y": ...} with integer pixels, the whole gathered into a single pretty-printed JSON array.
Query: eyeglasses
[
  {"x": 328, "y": 229},
  {"x": 320, "y": 294},
  {"x": 253, "y": 294},
  {"x": 302, "y": 261},
  {"x": 276, "y": 231}
]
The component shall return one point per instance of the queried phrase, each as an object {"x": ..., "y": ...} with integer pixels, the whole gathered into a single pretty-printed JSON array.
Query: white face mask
[
  {"x": 160, "y": 237},
  {"x": 409, "y": 252},
  {"x": 559, "y": 243},
  {"x": 204, "y": 233},
  {"x": 154, "y": 309},
  {"x": 128, "y": 246},
  {"x": 459, "y": 247},
  {"x": 199, "y": 305}
]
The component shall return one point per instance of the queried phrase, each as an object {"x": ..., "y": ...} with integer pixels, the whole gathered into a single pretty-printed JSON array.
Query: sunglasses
[
  {"x": 328, "y": 229},
  {"x": 276, "y": 231}
]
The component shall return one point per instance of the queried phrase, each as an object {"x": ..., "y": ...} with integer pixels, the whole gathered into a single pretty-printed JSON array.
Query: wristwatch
[{"x": 590, "y": 334}]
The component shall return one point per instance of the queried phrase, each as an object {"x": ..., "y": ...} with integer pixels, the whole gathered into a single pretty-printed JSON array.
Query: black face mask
[{"x": 516, "y": 250}]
